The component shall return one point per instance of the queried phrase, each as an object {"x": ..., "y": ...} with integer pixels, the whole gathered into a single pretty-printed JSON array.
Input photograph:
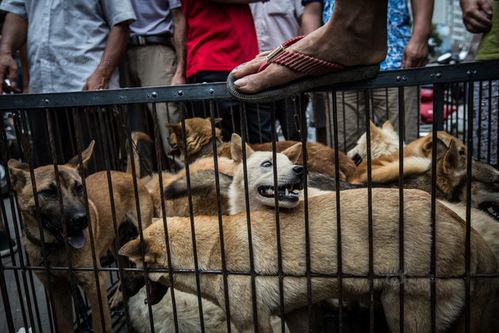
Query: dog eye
[
  {"x": 266, "y": 164},
  {"x": 79, "y": 189},
  {"x": 49, "y": 192}
]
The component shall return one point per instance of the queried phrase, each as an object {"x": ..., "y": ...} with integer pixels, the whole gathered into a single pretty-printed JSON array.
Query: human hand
[
  {"x": 415, "y": 53},
  {"x": 8, "y": 71},
  {"x": 477, "y": 15},
  {"x": 97, "y": 81},
  {"x": 178, "y": 79}
]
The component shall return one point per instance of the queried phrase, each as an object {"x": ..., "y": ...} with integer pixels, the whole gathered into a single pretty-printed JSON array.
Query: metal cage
[{"x": 465, "y": 104}]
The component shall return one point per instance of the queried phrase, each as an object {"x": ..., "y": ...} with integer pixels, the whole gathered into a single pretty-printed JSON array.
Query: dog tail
[
  {"x": 136, "y": 137},
  {"x": 389, "y": 172},
  {"x": 199, "y": 181}
]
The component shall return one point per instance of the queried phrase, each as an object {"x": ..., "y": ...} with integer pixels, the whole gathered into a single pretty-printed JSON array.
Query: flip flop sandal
[{"x": 319, "y": 73}]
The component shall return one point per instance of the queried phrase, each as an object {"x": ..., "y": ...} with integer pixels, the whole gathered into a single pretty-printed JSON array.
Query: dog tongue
[{"x": 77, "y": 241}]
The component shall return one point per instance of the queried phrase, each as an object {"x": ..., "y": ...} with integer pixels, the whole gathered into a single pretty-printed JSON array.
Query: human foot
[{"x": 344, "y": 43}]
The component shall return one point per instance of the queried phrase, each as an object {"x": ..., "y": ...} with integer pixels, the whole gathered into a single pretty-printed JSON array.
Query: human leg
[
  {"x": 386, "y": 107},
  {"x": 258, "y": 117},
  {"x": 158, "y": 70},
  {"x": 288, "y": 112},
  {"x": 356, "y": 26},
  {"x": 351, "y": 118},
  {"x": 485, "y": 122}
]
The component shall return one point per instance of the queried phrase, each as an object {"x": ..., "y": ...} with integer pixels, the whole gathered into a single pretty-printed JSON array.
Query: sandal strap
[{"x": 299, "y": 62}]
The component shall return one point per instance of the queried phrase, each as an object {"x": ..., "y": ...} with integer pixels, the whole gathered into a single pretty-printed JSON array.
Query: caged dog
[
  {"x": 175, "y": 189},
  {"x": 450, "y": 261},
  {"x": 199, "y": 143},
  {"x": 260, "y": 181},
  {"x": 261, "y": 194},
  {"x": 451, "y": 174},
  {"x": 384, "y": 141},
  {"x": 417, "y": 159},
  {"x": 77, "y": 223},
  {"x": 451, "y": 171}
]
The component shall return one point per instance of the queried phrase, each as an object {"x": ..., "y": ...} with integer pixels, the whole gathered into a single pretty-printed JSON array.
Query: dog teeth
[{"x": 286, "y": 192}]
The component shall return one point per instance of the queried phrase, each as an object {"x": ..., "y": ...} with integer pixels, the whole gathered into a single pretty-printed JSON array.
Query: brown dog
[
  {"x": 322, "y": 216},
  {"x": 417, "y": 159},
  {"x": 78, "y": 224},
  {"x": 198, "y": 136}
]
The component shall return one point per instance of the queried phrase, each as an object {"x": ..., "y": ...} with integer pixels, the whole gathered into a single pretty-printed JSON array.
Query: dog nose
[
  {"x": 79, "y": 221},
  {"x": 298, "y": 169}
]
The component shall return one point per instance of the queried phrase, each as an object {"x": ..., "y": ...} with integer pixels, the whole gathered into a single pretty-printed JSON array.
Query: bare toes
[
  {"x": 272, "y": 76},
  {"x": 250, "y": 67}
]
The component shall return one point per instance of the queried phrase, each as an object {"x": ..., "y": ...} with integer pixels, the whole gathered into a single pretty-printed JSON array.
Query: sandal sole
[{"x": 305, "y": 84}]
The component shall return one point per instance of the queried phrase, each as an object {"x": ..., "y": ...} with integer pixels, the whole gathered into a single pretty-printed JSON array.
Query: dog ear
[
  {"x": 445, "y": 137},
  {"x": 442, "y": 148},
  {"x": 451, "y": 158},
  {"x": 427, "y": 147},
  {"x": 85, "y": 157},
  {"x": 374, "y": 130},
  {"x": 236, "y": 148},
  {"x": 177, "y": 130},
  {"x": 216, "y": 121},
  {"x": 19, "y": 173},
  {"x": 294, "y": 153},
  {"x": 388, "y": 125},
  {"x": 133, "y": 250}
]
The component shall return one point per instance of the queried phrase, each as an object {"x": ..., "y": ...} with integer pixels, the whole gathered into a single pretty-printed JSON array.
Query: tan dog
[
  {"x": 200, "y": 144},
  {"x": 322, "y": 214},
  {"x": 175, "y": 184},
  {"x": 204, "y": 199},
  {"x": 76, "y": 221},
  {"x": 384, "y": 141},
  {"x": 417, "y": 159}
]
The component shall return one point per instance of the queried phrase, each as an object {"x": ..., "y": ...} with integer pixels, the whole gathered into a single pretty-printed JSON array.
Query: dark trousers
[
  {"x": 90, "y": 126},
  {"x": 257, "y": 121}
]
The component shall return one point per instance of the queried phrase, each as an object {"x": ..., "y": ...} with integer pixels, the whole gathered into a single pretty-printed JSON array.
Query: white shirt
[
  {"x": 276, "y": 21},
  {"x": 67, "y": 38}
]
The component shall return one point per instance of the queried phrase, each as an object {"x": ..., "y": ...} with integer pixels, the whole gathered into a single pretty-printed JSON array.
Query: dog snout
[
  {"x": 79, "y": 221},
  {"x": 298, "y": 169}
]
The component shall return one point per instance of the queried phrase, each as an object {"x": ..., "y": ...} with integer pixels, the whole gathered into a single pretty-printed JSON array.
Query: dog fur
[
  {"x": 384, "y": 141},
  {"x": 200, "y": 144},
  {"x": 322, "y": 214},
  {"x": 451, "y": 171},
  {"x": 187, "y": 314},
  {"x": 202, "y": 180},
  {"x": 260, "y": 175},
  {"x": 417, "y": 160},
  {"x": 99, "y": 220},
  {"x": 482, "y": 222}
]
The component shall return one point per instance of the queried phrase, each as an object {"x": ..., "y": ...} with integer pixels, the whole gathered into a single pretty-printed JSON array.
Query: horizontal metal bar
[
  {"x": 182, "y": 93},
  {"x": 408, "y": 77},
  {"x": 472, "y": 71},
  {"x": 395, "y": 275}
]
